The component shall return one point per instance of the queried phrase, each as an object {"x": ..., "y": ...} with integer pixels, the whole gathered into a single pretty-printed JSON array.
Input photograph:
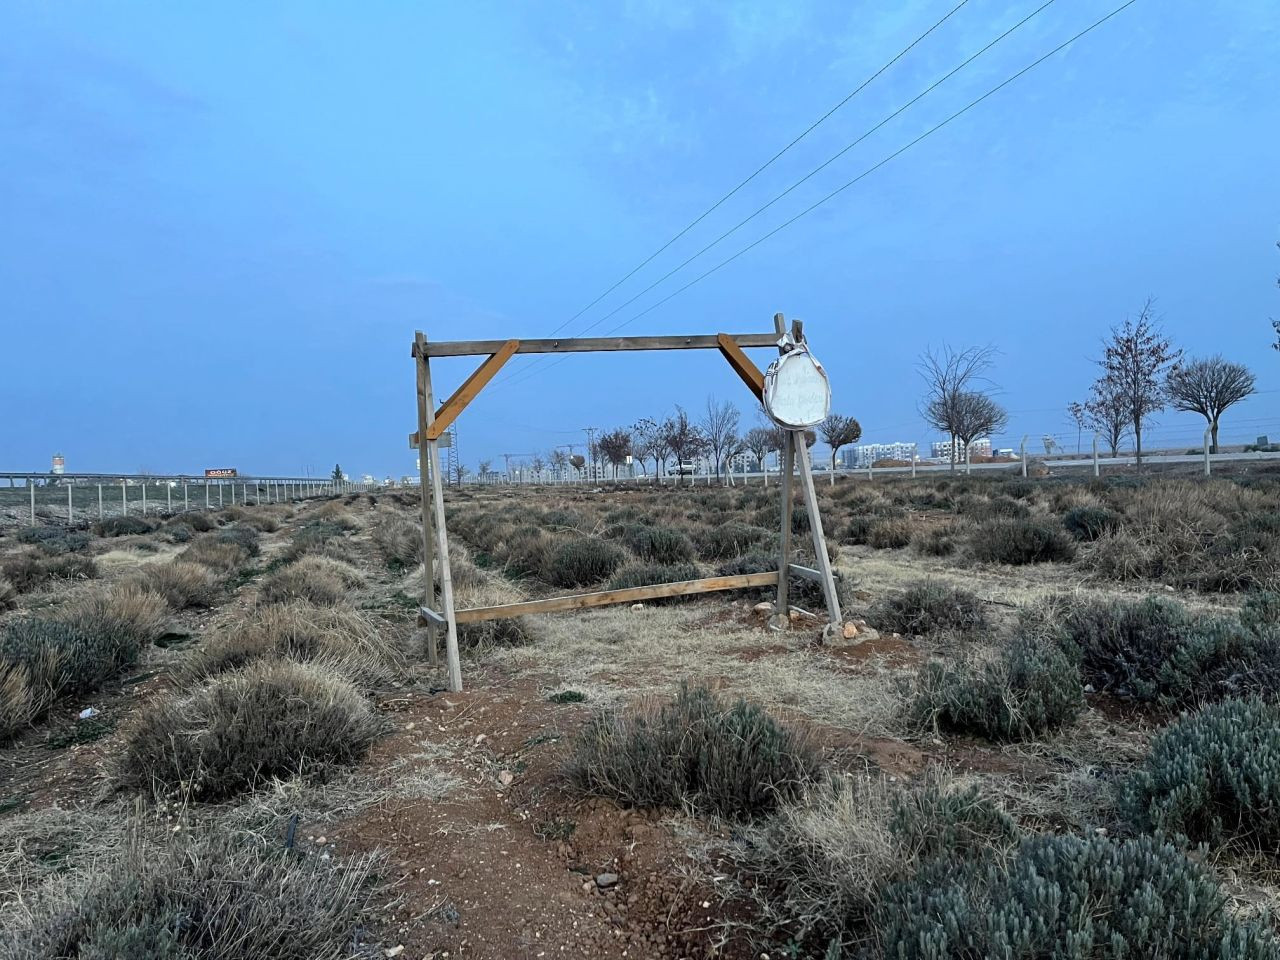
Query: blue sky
[{"x": 223, "y": 222}]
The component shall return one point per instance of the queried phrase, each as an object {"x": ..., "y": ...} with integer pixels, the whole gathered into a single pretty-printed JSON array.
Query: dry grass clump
[
  {"x": 30, "y": 570},
  {"x": 318, "y": 580},
  {"x": 342, "y": 640},
  {"x": 219, "y": 896},
  {"x": 583, "y": 561},
  {"x": 122, "y": 527},
  {"x": 319, "y": 537},
  {"x": 8, "y": 595},
  {"x": 200, "y": 522},
  {"x": 272, "y": 719},
  {"x": 889, "y": 534},
  {"x": 398, "y": 540},
  {"x": 928, "y": 607},
  {"x": 647, "y": 574},
  {"x": 474, "y": 587},
  {"x": 89, "y": 644},
  {"x": 182, "y": 584},
  {"x": 1021, "y": 541},
  {"x": 731, "y": 760},
  {"x": 223, "y": 556},
  {"x": 819, "y": 867}
]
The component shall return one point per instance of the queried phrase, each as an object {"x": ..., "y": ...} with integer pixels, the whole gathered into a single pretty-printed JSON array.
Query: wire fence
[{"x": 81, "y": 497}]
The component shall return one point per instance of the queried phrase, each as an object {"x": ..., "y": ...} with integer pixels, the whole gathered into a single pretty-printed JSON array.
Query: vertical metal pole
[
  {"x": 1206, "y": 450},
  {"x": 31, "y": 484},
  {"x": 220, "y": 486},
  {"x": 70, "y": 518},
  {"x": 426, "y": 413},
  {"x": 186, "y": 503},
  {"x": 1096, "y": 468},
  {"x": 144, "y": 496},
  {"x": 168, "y": 495},
  {"x": 1023, "y": 448},
  {"x": 124, "y": 498},
  {"x": 100, "y": 513}
]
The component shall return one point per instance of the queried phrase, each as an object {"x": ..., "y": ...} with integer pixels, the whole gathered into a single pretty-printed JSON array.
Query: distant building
[
  {"x": 864, "y": 455},
  {"x": 941, "y": 449}
]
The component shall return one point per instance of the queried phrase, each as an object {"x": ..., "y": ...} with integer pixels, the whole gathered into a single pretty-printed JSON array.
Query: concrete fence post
[
  {"x": 124, "y": 498},
  {"x": 168, "y": 495},
  {"x": 186, "y": 504},
  {"x": 1206, "y": 450},
  {"x": 1097, "y": 470},
  {"x": 144, "y": 497},
  {"x": 100, "y": 513},
  {"x": 1022, "y": 448},
  {"x": 70, "y": 518},
  {"x": 31, "y": 484}
]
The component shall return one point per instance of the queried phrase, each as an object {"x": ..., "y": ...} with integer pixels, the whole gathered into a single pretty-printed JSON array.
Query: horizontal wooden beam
[
  {"x": 742, "y": 364},
  {"x": 456, "y": 403},
  {"x": 808, "y": 573},
  {"x": 469, "y": 348},
  {"x": 426, "y": 613},
  {"x": 606, "y": 598}
]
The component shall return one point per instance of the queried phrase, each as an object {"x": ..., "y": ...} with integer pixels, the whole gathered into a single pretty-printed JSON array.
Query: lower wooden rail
[{"x": 604, "y": 598}]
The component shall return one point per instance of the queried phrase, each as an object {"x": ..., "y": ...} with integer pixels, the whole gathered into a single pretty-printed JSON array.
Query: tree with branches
[
  {"x": 1136, "y": 361},
  {"x": 976, "y": 415},
  {"x": 559, "y": 461},
  {"x": 839, "y": 431},
  {"x": 616, "y": 447},
  {"x": 759, "y": 442},
  {"x": 683, "y": 438},
  {"x": 949, "y": 375},
  {"x": 337, "y": 475},
  {"x": 719, "y": 427},
  {"x": 649, "y": 439},
  {"x": 460, "y": 472},
  {"x": 1107, "y": 414},
  {"x": 485, "y": 466},
  {"x": 1209, "y": 386}
]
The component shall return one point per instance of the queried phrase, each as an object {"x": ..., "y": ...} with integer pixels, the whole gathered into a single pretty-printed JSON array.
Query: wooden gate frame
[{"x": 433, "y": 422}]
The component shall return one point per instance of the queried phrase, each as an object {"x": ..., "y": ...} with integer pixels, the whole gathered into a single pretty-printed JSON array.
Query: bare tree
[
  {"x": 759, "y": 442},
  {"x": 839, "y": 431},
  {"x": 460, "y": 472},
  {"x": 559, "y": 460},
  {"x": 616, "y": 447},
  {"x": 683, "y": 438},
  {"x": 1107, "y": 413},
  {"x": 1135, "y": 362},
  {"x": 649, "y": 440},
  {"x": 1080, "y": 417},
  {"x": 720, "y": 429},
  {"x": 948, "y": 375},
  {"x": 976, "y": 415},
  {"x": 1209, "y": 386},
  {"x": 538, "y": 463},
  {"x": 484, "y": 465}
]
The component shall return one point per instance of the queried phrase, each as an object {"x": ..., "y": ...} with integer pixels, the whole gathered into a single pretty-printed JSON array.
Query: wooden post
[
  {"x": 442, "y": 548},
  {"x": 426, "y": 410},
  {"x": 815, "y": 526},
  {"x": 784, "y": 539}
]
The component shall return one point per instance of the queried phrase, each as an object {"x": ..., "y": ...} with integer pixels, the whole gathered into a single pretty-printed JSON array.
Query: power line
[
  {"x": 866, "y": 173},
  {"x": 822, "y": 166},
  {"x": 755, "y": 173},
  {"x": 764, "y": 166}
]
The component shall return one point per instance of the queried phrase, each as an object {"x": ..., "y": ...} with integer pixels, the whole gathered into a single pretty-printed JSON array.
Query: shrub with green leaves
[
  {"x": 937, "y": 541},
  {"x": 273, "y": 718},
  {"x": 727, "y": 540},
  {"x": 659, "y": 544},
  {"x": 1018, "y": 542},
  {"x": 583, "y": 561},
  {"x": 215, "y": 897},
  {"x": 817, "y": 867},
  {"x": 1155, "y": 650},
  {"x": 1028, "y": 688},
  {"x": 245, "y": 537},
  {"x": 1261, "y": 610},
  {"x": 1213, "y": 776},
  {"x": 647, "y": 574},
  {"x": 729, "y": 759},
  {"x": 1090, "y": 523},
  {"x": 31, "y": 570},
  {"x": 929, "y": 607},
  {"x": 122, "y": 527},
  {"x": 1068, "y": 898}
]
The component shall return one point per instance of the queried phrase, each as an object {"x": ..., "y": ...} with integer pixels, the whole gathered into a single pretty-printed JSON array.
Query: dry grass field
[{"x": 1050, "y": 732}]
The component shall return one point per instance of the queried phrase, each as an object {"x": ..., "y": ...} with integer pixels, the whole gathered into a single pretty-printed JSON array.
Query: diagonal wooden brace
[
  {"x": 741, "y": 364},
  {"x": 470, "y": 388}
]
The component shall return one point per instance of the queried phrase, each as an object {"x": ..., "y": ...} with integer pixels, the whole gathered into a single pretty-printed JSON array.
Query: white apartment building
[
  {"x": 864, "y": 455},
  {"x": 941, "y": 449}
]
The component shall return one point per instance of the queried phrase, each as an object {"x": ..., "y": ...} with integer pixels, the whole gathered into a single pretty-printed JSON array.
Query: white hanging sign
[{"x": 797, "y": 393}]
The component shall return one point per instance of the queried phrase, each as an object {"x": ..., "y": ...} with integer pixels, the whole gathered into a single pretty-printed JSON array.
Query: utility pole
[{"x": 591, "y": 450}]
